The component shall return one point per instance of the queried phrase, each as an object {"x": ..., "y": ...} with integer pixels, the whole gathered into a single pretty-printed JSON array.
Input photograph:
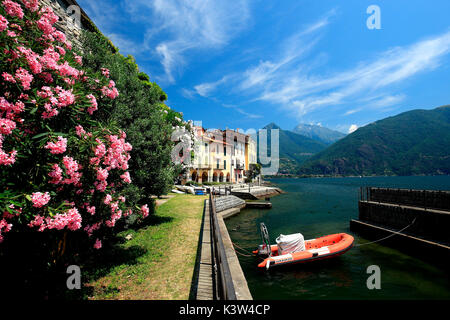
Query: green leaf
[{"x": 40, "y": 135}]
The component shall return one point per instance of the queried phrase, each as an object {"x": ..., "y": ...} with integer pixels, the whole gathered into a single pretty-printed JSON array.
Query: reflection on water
[{"x": 317, "y": 207}]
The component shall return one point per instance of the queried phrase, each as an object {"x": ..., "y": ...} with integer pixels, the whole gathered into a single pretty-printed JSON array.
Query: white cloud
[
  {"x": 188, "y": 26},
  {"x": 387, "y": 101},
  {"x": 306, "y": 92},
  {"x": 352, "y": 128},
  {"x": 205, "y": 89},
  {"x": 291, "y": 51},
  {"x": 243, "y": 112}
]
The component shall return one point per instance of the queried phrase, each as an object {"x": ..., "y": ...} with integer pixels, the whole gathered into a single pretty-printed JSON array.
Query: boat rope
[
  {"x": 243, "y": 254},
  {"x": 389, "y": 236},
  {"x": 249, "y": 254}
]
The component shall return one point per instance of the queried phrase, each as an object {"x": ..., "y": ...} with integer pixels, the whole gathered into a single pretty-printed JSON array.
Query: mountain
[
  {"x": 294, "y": 149},
  {"x": 411, "y": 143},
  {"x": 318, "y": 133}
]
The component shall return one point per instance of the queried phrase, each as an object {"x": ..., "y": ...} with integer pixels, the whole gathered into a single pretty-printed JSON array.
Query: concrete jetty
[{"x": 255, "y": 192}]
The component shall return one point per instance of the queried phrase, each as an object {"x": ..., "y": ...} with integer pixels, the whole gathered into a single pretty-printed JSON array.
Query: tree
[{"x": 140, "y": 110}]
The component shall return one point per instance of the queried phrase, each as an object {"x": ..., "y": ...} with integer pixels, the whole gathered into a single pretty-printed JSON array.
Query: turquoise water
[{"x": 321, "y": 206}]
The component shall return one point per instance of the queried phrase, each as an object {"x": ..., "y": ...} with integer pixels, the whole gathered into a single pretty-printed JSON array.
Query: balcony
[
  {"x": 207, "y": 166},
  {"x": 202, "y": 166}
]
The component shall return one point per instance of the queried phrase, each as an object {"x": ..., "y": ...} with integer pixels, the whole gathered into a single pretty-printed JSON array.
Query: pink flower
[
  {"x": 117, "y": 155},
  {"x": 56, "y": 174},
  {"x": 93, "y": 102},
  {"x": 58, "y": 147},
  {"x": 45, "y": 92},
  {"x": 126, "y": 177},
  {"x": 78, "y": 60},
  {"x": 72, "y": 168},
  {"x": 47, "y": 77},
  {"x": 90, "y": 229},
  {"x": 47, "y": 20},
  {"x": 25, "y": 77},
  {"x": 101, "y": 186},
  {"x": 112, "y": 94},
  {"x": 59, "y": 36},
  {"x": 98, "y": 244},
  {"x": 66, "y": 70},
  {"x": 50, "y": 112},
  {"x": 102, "y": 174},
  {"x": 32, "y": 59},
  {"x": 91, "y": 210},
  {"x": 61, "y": 50},
  {"x": 108, "y": 199},
  {"x": 116, "y": 215},
  {"x": 79, "y": 130},
  {"x": 8, "y": 77},
  {"x": 50, "y": 59},
  {"x": 105, "y": 72},
  {"x": 40, "y": 199},
  {"x": 38, "y": 222},
  {"x": 65, "y": 98},
  {"x": 45, "y": 26},
  {"x": 13, "y": 9},
  {"x": 11, "y": 34},
  {"x": 48, "y": 13},
  {"x": 7, "y": 160},
  {"x": 4, "y": 227},
  {"x": 71, "y": 219},
  {"x": 145, "y": 211},
  {"x": 6, "y": 126},
  {"x": 32, "y": 5},
  {"x": 3, "y": 23}
]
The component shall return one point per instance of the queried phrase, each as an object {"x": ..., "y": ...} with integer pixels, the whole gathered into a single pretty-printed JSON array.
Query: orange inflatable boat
[{"x": 315, "y": 249}]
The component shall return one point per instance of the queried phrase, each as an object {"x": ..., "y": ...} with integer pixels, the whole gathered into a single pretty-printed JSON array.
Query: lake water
[{"x": 321, "y": 206}]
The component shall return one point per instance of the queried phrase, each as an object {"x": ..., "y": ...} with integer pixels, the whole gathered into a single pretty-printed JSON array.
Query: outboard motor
[{"x": 265, "y": 248}]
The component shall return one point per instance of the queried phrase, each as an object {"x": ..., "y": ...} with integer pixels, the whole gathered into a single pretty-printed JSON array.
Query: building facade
[{"x": 221, "y": 156}]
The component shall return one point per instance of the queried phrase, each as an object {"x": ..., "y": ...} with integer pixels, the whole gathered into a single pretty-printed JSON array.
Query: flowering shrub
[{"x": 60, "y": 169}]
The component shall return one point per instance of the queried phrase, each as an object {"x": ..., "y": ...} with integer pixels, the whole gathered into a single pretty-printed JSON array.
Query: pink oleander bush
[{"x": 60, "y": 170}]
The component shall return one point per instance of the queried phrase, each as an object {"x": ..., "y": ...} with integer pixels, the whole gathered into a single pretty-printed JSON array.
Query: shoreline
[{"x": 289, "y": 176}]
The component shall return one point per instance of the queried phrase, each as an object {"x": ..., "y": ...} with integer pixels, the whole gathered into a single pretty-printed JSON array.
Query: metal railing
[{"x": 224, "y": 287}]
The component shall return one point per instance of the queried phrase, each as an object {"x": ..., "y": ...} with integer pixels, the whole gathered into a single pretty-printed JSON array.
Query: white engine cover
[{"x": 290, "y": 243}]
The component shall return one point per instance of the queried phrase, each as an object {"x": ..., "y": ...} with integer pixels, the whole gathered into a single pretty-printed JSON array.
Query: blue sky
[{"x": 246, "y": 63}]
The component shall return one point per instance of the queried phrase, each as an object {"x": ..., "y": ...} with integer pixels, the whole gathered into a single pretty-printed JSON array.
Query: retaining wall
[
  {"x": 416, "y": 198},
  {"x": 430, "y": 224}
]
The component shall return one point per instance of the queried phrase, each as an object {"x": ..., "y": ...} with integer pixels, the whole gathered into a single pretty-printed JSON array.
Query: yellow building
[{"x": 221, "y": 156}]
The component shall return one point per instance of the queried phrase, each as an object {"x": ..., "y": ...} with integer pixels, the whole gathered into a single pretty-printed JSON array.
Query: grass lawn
[{"x": 158, "y": 262}]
